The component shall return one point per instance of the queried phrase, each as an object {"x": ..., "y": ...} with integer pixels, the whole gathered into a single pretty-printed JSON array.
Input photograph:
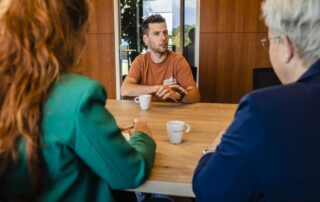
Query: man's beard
[{"x": 158, "y": 50}]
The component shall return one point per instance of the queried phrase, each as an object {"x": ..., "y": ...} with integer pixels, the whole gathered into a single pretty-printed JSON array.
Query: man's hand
[
  {"x": 130, "y": 87},
  {"x": 169, "y": 92}
]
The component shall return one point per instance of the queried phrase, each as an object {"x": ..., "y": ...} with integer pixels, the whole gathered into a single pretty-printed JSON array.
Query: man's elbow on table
[
  {"x": 193, "y": 95},
  {"x": 126, "y": 86},
  {"x": 124, "y": 90},
  {"x": 197, "y": 96}
]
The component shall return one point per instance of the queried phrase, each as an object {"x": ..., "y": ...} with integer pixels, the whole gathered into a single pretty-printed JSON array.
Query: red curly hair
[{"x": 37, "y": 40}]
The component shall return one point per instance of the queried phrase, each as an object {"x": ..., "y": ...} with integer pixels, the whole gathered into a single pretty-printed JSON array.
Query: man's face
[{"x": 157, "y": 38}]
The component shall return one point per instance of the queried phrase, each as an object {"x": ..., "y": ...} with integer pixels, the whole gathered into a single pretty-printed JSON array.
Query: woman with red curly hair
[{"x": 57, "y": 140}]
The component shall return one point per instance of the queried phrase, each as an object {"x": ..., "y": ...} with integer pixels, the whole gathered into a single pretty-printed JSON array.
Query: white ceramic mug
[
  {"x": 176, "y": 129},
  {"x": 144, "y": 101}
]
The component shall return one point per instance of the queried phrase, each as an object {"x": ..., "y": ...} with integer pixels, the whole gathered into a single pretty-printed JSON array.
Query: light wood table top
[{"x": 174, "y": 164}]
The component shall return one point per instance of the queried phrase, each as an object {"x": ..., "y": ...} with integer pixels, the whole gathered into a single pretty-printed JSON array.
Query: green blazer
[{"x": 84, "y": 152}]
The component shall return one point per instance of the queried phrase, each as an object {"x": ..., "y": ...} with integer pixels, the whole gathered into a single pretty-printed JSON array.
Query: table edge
[{"x": 169, "y": 188}]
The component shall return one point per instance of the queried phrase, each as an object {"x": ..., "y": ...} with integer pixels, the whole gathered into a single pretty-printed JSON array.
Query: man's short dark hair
[{"x": 155, "y": 18}]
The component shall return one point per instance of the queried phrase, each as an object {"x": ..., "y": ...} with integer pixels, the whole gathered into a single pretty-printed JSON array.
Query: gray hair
[{"x": 300, "y": 21}]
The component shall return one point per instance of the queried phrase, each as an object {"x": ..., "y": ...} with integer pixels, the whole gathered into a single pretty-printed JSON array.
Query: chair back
[
  {"x": 194, "y": 72},
  {"x": 264, "y": 77}
]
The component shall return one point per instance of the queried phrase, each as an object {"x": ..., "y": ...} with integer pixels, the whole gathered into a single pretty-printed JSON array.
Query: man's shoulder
[
  {"x": 176, "y": 60},
  {"x": 142, "y": 57},
  {"x": 174, "y": 55},
  {"x": 139, "y": 62}
]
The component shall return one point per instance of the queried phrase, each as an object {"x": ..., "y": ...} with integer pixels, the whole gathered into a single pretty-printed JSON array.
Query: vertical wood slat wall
[
  {"x": 230, "y": 33},
  {"x": 98, "y": 61}
]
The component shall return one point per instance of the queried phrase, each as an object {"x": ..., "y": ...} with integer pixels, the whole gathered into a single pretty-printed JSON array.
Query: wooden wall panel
[
  {"x": 230, "y": 33},
  {"x": 98, "y": 61},
  {"x": 101, "y": 18},
  {"x": 231, "y": 16},
  {"x": 226, "y": 65}
]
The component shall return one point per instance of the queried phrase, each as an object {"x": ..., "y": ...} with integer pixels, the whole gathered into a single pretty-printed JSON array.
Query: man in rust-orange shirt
[{"x": 160, "y": 72}]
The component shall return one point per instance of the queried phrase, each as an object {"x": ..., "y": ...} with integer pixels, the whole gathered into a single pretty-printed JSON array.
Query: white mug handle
[
  {"x": 187, "y": 127},
  {"x": 136, "y": 100}
]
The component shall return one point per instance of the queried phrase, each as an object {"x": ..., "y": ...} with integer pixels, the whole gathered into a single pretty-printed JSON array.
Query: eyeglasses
[{"x": 265, "y": 42}]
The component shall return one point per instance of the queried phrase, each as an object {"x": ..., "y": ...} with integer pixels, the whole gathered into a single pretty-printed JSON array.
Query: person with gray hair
[{"x": 270, "y": 150}]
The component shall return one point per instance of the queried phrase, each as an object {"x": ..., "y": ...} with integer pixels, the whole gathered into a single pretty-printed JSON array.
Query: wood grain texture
[
  {"x": 101, "y": 17},
  {"x": 227, "y": 64},
  {"x": 207, "y": 120},
  {"x": 230, "y": 49},
  {"x": 98, "y": 61},
  {"x": 231, "y": 16}
]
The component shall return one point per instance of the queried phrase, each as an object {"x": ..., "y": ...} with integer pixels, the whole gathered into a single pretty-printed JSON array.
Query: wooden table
[{"x": 174, "y": 164}]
